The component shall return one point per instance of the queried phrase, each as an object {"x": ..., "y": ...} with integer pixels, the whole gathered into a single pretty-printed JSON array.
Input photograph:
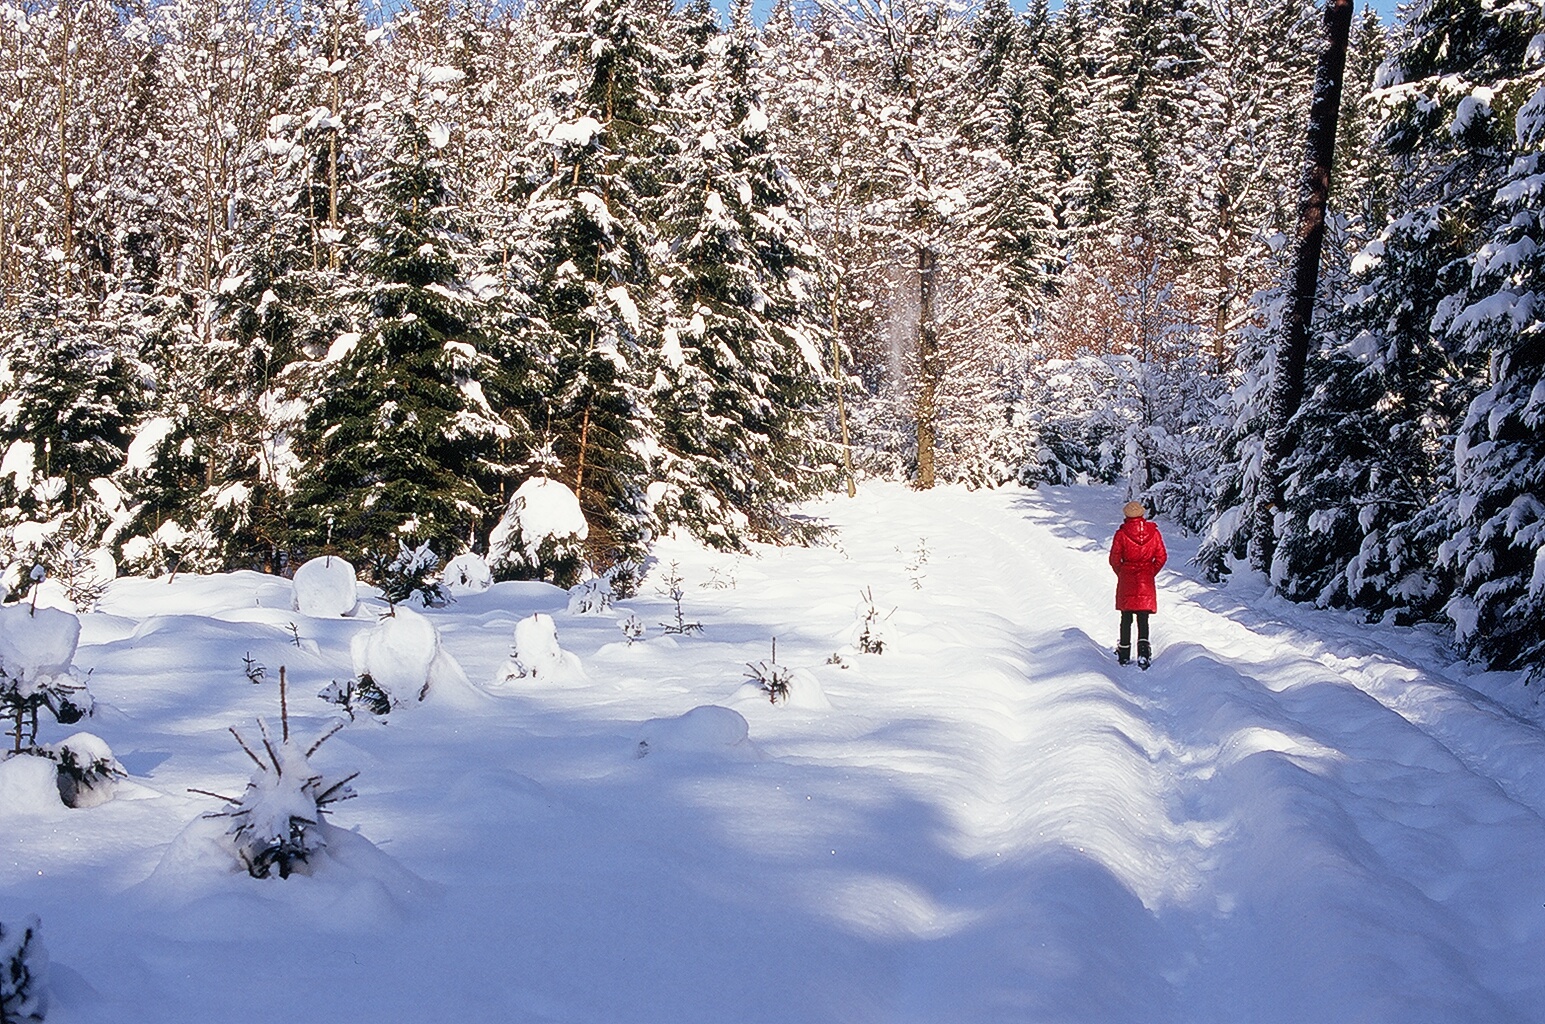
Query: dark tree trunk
[{"x": 1287, "y": 392}]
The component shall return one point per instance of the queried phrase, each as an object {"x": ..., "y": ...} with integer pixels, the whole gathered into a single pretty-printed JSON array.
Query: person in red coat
[{"x": 1136, "y": 554}]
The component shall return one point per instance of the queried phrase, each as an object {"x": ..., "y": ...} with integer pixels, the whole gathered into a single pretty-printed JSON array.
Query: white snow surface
[{"x": 1293, "y": 816}]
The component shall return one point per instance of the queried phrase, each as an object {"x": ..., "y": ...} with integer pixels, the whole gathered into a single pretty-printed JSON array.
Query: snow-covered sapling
[
  {"x": 325, "y": 587},
  {"x": 591, "y": 597},
  {"x": 276, "y": 822},
  {"x": 88, "y": 772},
  {"x": 411, "y": 577},
  {"x": 872, "y": 632},
  {"x": 295, "y": 634},
  {"x": 467, "y": 573},
  {"x": 718, "y": 580},
  {"x": 23, "y": 972},
  {"x": 672, "y": 590},
  {"x": 632, "y": 627},
  {"x": 541, "y": 535},
  {"x": 916, "y": 563},
  {"x": 772, "y": 677},
  {"x": 71, "y": 557},
  {"x": 358, "y": 694},
  {"x": 253, "y": 669},
  {"x": 537, "y": 654},
  {"x": 402, "y": 654},
  {"x": 37, "y": 647}
]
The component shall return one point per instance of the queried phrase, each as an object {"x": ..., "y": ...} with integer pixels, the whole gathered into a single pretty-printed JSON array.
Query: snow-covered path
[{"x": 1292, "y": 817}]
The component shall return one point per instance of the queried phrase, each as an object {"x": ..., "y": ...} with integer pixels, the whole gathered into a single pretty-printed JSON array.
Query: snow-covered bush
[
  {"x": 541, "y": 535},
  {"x": 23, "y": 972},
  {"x": 779, "y": 684},
  {"x": 325, "y": 587},
  {"x": 277, "y": 822},
  {"x": 467, "y": 573},
  {"x": 537, "y": 655},
  {"x": 632, "y": 627},
  {"x": 412, "y": 577},
  {"x": 591, "y": 597},
  {"x": 401, "y": 655},
  {"x": 37, "y": 646},
  {"x": 358, "y": 694},
  {"x": 88, "y": 772},
  {"x": 771, "y": 677}
]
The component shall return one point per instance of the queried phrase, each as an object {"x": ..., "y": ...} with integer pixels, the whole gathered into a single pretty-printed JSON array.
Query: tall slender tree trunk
[
  {"x": 842, "y": 412},
  {"x": 1287, "y": 391},
  {"x": 927, "y": 366},
  {"x": 66, "y": 189}
]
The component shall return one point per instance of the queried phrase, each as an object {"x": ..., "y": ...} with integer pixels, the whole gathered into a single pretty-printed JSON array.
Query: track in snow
[{"x": 1291, "y": 818}]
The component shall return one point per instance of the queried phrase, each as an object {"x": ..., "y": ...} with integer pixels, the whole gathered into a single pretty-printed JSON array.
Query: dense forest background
[{"x": 280, "y": 278}]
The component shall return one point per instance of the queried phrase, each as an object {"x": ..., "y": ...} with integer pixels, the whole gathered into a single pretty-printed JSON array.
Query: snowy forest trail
[{"x": 1292, "y": 817}]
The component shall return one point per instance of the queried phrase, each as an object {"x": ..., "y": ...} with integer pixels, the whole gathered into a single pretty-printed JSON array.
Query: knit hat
[{"x": 1134, "y": 510}]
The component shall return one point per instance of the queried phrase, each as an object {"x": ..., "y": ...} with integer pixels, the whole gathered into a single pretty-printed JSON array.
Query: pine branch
[{"x": 255, "y": 759}]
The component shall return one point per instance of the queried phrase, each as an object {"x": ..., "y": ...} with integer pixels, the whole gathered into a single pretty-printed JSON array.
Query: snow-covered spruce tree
[
  {"x": 1363, "y": 517},
  {"x": 37, "y": 646},
  {"x": 23, "y": 972},
  {"x": 396, "y": 444},
  {"x": 736, "y": 393},
  {"x": 70, "y": 391},
  {"x": 589, "y": 239},
  {"x": 1497, "y": 551},
  {"x": 1015, "y": 97},
  {"x": 277, "y": 824}
]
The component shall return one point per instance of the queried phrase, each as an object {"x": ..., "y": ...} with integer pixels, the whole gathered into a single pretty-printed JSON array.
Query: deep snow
[{"x": 1292, "y": 817}]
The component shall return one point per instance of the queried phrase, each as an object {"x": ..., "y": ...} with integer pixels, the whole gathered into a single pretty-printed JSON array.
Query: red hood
[{"x": 1139, "y": 532}]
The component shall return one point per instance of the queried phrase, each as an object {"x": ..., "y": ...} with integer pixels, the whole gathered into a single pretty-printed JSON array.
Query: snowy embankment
[{"x": 1292, "y": 817}]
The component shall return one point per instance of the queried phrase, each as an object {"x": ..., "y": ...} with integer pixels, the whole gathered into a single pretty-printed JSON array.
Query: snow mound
[
  {"x": 537, "y": 655},
  {"x": 402, "y": 653},
  {"x": 466, "y": 574},
  {"x": 37, "y": 645},
  {"x": 325, "y": 588},
  {"x": 29, "y": 785},
  {"x": 369, "y": 889},
  {"x": 706, "y": 729}
]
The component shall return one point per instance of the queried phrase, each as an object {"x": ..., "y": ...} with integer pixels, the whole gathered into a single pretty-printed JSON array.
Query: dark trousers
[{"x": 1142, "y": 631}]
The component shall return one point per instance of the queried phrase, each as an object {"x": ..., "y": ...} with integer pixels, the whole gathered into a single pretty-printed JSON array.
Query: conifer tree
[
  {"x": 594, "y": 162},
  {"x": 741, "y": 361},
  {"x": 1497, "y": 550},
  {"x": 393, "y": 445}
]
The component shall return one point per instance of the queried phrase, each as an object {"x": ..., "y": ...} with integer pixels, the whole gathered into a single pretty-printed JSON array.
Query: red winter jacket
[{"x": 1137, "y": 554}]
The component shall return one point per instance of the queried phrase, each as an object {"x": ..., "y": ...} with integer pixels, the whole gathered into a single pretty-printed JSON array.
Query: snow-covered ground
[{"x": 1292, "y": 817}]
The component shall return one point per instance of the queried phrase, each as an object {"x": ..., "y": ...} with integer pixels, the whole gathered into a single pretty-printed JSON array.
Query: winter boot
[
  {"x": 1123, "y": 654},
  {"x": 1144, "y": 654}
]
